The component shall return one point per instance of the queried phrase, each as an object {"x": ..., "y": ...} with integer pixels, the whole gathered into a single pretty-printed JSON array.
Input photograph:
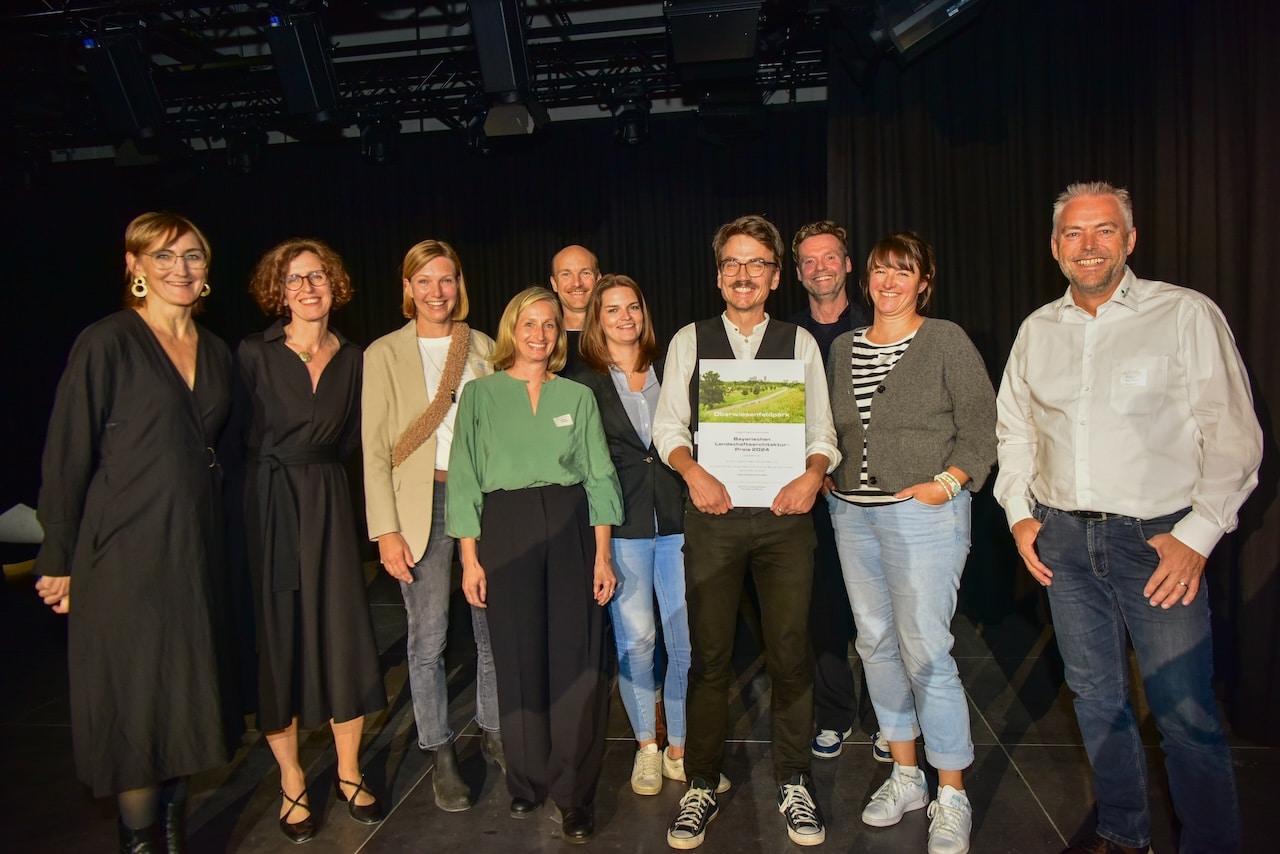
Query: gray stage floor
[{"x": 1029, "y": 784}]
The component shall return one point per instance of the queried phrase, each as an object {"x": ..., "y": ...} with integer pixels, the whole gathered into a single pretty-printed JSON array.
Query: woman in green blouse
[{"x": 532, "y": 497}]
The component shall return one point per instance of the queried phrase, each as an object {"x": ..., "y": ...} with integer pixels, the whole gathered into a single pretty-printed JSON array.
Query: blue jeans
[
  {"x": 902, "y": 565},
  {"x": 426, "y": 602},
  {"x": 1099, "y": 570},
  {"x": 647, "y": 568}
]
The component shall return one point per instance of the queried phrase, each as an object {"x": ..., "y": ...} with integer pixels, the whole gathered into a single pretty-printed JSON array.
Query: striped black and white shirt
[{"x": 869, "y": 365}]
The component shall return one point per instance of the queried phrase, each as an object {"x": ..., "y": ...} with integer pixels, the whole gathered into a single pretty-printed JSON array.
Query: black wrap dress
[
  {"x": 317, "y": 658},
  {"x": 131, "y": 509}
]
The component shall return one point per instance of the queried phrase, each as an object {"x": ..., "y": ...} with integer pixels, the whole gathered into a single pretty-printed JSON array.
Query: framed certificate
[{"x": 751, "y": 425}]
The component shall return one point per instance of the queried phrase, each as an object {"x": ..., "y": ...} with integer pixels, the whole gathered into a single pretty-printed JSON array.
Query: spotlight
[
  {"x": 631, "y": 119},
  {"x": 477, "y": 141},
  {"x": 913, "y": 26},
  {"x": 121, "y": 79},
  {"x": 519, "y": 117},
  {"x": 300, "y": 51},
  {"x": 244, "y": 149},
  {"x": 378, "y": 139}
]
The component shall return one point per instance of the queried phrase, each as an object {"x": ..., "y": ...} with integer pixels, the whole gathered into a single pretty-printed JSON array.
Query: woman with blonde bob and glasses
[
  {"x": 317, "y": 658},
  {"x": 532, "y": 497},
  {"x": 131, "y": 504},
  {"x": 412, "y": 380}
]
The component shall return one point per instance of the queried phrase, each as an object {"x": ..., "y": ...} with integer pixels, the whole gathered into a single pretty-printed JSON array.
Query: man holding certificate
[{"x": 745, "y": 405}]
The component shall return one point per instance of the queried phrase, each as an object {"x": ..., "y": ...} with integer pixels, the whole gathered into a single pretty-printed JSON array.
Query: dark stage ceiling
[{"x": 82, "y": 73}]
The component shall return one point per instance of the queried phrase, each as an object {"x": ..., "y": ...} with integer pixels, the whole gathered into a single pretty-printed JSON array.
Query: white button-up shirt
[{"x": 1142, "y": 410}]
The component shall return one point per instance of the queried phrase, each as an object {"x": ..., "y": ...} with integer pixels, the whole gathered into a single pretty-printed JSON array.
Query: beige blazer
[{"x": 393, "y": 397}]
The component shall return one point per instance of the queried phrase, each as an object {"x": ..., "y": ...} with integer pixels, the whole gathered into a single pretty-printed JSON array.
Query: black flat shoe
[
  {"x": 578, "y": 824},
  {"x": 367, "y": 814},
  {"x": 298, "y": 832},
  {"x": 521, "y": 808}
]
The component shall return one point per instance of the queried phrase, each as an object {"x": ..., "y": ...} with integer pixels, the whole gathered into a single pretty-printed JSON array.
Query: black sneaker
[
  {"x": 798, "y": 806},
  {"x": 697, "y": 810}
]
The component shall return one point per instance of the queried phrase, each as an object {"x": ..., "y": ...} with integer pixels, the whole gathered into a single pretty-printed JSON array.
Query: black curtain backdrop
[
  {"x": 971, "y": 143},
  {"x": 968, "y": 145}
]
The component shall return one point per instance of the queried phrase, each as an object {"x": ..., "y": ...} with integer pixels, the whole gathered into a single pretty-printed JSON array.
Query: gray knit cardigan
[{"x": 936, "y": 408}]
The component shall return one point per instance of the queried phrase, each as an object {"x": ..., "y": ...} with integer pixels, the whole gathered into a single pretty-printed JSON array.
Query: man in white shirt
[
  {"x": 1127, "y": 443},
  {"x": 721, "y": 542}
]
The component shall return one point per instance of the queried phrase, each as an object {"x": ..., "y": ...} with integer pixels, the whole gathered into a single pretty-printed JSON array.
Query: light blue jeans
[
  {"x": 426, "y": 601},
  {"x": 902, "y": 565},
  {"x": 646, "y": 569}
]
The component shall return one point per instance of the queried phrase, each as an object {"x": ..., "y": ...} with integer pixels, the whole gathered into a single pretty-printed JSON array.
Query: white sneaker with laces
[
  {"x": 673, "y": 769},
  {"x": 905, "y": 790},
  {"x": 646, "y": 771},
  {"x": 950, "y": 820}
]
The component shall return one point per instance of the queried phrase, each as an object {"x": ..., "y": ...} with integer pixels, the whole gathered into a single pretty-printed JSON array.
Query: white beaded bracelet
[{"x": 949, "y": 482}]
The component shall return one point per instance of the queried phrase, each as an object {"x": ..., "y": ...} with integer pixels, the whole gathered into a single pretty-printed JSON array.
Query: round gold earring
[
  {"x": 205, "y": 292},
  {"x": 139, "y": 286}
]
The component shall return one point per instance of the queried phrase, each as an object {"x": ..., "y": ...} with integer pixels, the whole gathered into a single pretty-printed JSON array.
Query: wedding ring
[{"x": 1183, "y": 584}]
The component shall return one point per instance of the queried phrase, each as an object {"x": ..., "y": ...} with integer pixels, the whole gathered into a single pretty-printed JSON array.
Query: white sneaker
[
  {"x": 950, "y": 820},
  {"x": 828, "y": 743},
  {"x": 880, "y": 749},
  {"x": 646, "y": 771},
  {"x": 902, "y": 792},
  {"x": 673, "y": 769}
]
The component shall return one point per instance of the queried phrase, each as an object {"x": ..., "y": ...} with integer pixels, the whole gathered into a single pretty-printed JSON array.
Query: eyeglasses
[
  {"x": 318, "y": 278},
  {"x": 755, "y": 266},
  {"x": 165, "y": 260}
]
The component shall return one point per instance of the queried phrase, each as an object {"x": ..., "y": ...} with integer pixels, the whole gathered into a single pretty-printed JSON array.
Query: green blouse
[{"x": 500, "y": 443}]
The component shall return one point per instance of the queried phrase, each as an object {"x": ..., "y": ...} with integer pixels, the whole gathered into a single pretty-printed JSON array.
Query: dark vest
[{"x": 779, "y": 342}]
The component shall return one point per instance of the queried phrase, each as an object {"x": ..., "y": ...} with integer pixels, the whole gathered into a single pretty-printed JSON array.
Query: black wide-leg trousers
[{"x": 538, "y": 551}]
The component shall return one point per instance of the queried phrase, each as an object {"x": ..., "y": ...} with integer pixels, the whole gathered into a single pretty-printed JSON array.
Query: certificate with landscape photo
[{"x": 751, "y": 425}]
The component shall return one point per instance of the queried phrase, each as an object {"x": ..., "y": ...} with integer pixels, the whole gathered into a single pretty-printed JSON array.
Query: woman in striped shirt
[{"x": 914, "y": 411}]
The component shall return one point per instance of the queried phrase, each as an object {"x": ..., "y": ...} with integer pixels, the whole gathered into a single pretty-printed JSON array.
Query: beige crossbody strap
[{"x": 445, "y": 396}]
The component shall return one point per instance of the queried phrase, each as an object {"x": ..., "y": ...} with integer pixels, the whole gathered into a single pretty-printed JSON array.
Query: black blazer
[{"x": 649, "y": 488}]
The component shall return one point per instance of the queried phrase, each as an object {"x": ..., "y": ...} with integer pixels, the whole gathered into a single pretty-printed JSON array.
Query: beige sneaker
[
  {"x": 673, "y": 769},
  {"x": 646, "y": 771}
]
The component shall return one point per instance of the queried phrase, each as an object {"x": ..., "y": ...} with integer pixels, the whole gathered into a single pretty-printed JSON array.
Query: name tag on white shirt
[
  {"x": 565, "y": 420},
  {"x": 1133, "y": 377}
]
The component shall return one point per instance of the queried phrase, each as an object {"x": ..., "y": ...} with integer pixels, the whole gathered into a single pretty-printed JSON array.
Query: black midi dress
[
  {"x": 131, "y": 510},
  {"x": 317, "y": 658}
]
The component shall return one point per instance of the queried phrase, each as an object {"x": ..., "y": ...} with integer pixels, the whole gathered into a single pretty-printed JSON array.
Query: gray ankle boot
[
  {"x": 451, "y": 791},
  {"x": 491, "y": 748}
]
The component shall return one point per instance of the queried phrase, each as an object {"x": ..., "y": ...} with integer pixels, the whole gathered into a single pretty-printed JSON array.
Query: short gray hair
[{"x": 1093, "y": 188}]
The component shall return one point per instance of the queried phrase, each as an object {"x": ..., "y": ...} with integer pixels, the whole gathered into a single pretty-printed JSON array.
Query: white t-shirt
[{"x": 435, "y": 353}]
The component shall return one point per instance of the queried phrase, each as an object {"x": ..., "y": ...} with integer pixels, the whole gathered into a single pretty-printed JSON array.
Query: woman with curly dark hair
[{"x": 318, "y": 661}]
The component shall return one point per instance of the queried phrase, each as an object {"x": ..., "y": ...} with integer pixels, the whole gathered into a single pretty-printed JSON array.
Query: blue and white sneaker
[
  {"x": 880, "y": 749},
  {"x": 828, "y": 743}
]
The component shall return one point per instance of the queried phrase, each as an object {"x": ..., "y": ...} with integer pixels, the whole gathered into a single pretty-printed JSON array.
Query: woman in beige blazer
[{"x": 413, "y": 378}]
